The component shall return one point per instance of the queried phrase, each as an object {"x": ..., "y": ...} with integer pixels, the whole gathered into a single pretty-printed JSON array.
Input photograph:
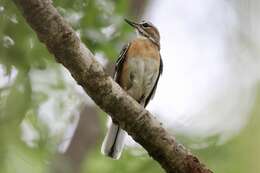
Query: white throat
[{"x": 140, "y": 35}]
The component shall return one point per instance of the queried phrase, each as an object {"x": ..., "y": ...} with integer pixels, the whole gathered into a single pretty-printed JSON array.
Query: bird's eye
[{"x": 145, "y": 25}]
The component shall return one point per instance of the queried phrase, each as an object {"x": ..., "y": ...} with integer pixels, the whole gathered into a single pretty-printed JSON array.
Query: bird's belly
[{"x": 142, "y": 75}]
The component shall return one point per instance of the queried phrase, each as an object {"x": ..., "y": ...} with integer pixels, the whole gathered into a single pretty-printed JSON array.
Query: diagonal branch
[{"x": 63, "y": 43}]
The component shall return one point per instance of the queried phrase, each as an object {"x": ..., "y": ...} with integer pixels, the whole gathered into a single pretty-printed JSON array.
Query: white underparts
[{"x": 142, "y": 73}]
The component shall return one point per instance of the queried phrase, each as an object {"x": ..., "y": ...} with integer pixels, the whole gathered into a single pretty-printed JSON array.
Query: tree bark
[{"x": 64, "y": 44}]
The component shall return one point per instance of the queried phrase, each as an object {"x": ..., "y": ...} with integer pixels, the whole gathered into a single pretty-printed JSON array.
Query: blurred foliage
[
  {"x": 242, "y": 153},
  {"x": 22, "y": 57},
  {"x": 100, "y": 26},
  {"x": 99, "y": 23},
  {"x": 128, "y": 163}
]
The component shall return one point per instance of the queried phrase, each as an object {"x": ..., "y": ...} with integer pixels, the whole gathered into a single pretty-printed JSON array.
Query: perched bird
[{"x": 137, "y": 71}]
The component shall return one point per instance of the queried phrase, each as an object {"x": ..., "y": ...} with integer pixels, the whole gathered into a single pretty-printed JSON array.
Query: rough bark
[{"x": 63, "y": 43}]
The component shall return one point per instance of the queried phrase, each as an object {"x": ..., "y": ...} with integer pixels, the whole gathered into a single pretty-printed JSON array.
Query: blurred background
[{"x": 208, "y": 96}]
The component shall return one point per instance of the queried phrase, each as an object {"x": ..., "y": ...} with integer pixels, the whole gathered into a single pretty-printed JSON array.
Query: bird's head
[{"x": 146, "y": 29}]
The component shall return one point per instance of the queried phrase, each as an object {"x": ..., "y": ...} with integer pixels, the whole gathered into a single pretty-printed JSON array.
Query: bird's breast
[
  {"x": 140, "y": 69},
  {"x": 140, "y": 76},
  {"x": 143, "y": 48}
]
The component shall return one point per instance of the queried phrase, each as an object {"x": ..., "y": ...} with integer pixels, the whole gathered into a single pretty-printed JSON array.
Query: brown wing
[
  {"x": 155, "y": 85},
  {"x": 119, "y": 62}
]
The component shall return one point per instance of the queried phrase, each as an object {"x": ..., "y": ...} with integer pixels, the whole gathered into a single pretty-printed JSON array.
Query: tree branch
[{"x": 63, "y": 43}]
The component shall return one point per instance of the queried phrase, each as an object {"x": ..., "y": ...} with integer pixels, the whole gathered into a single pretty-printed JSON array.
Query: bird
[{"x": 137, "y": 70}]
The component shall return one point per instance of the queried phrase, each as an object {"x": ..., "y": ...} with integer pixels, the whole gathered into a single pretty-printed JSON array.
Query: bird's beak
[{"x": 133, "y": 24}]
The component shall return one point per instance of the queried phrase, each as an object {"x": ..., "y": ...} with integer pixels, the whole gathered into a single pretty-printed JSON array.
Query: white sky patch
[
  {"x": 108, "y": 31},
  {"x": 7, "y": 41},
  {"x": 7, "y": 80},
  {"x": 28, "y": 134},
  {"x": 78, "y": 32},
  {"x": 31, "y": 43},
  {"x": 73, "y": 17},
  {"x": 100, "y": 57},
  {"x": 60, "y": 112},
  {"x": 13, "y": 19},
  {"x": 1, "y": 8}
]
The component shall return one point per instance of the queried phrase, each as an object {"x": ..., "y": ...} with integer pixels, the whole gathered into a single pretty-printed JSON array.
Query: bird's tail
[{"x": 113, "y": 143}]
